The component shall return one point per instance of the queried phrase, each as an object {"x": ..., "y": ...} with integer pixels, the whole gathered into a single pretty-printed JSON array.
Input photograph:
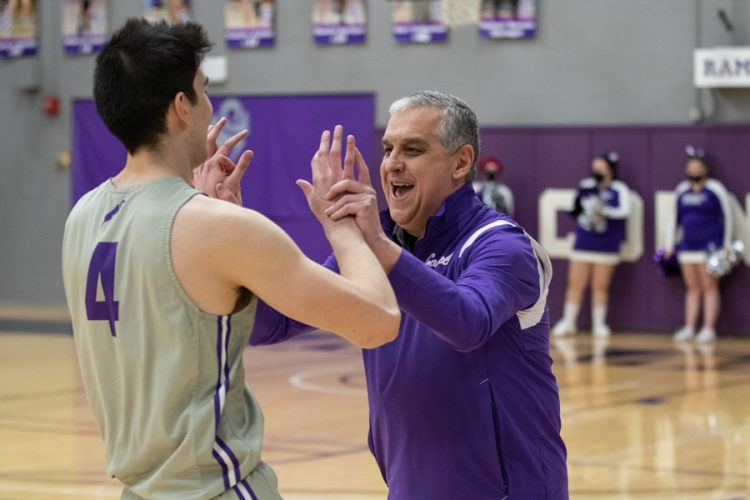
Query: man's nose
[{"x": 393, "y": 163}]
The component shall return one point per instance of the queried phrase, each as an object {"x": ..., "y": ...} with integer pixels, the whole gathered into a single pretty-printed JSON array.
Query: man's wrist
[{"x": 386, "y": 251}]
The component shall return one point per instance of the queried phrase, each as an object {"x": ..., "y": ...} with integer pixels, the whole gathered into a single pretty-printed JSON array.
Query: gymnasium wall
[{"x": 593, "y": 63}]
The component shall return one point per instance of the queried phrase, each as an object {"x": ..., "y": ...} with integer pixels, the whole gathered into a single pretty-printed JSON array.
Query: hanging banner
[
  {"x": 339, "y": 22},
  {"x": 84, "y": 26},
  {"x": 284, "y": 134},
  {"x": 418, "y": 21},
  {"x": 18, "y": 28},
  {"x": 722, "y": 67},
  {"x": 171, "y": 11},
  {"x": 249, "y": 24},
  {"x": 508, "y": 19}
]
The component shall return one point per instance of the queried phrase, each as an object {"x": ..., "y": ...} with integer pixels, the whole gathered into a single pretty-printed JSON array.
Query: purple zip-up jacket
[{"x": 463, "y": 404}]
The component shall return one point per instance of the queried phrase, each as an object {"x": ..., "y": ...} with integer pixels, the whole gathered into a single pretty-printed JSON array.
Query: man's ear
[
  {"x": 464, "y": 161},
  {"x": 181, "y": 109}
]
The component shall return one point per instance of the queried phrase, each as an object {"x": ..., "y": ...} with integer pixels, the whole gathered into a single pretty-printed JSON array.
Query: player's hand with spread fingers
[
  {"x": 326, "y": 171},
  {"x": 218, "y": 176}
]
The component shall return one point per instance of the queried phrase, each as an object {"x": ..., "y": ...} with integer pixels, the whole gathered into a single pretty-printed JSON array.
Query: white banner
[{"x": 722, "y": 67}]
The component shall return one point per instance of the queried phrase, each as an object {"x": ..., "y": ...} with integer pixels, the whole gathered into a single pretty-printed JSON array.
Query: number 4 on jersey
[{"x": 103, "y": 266}]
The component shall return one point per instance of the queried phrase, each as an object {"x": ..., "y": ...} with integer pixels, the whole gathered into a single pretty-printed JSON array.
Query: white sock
[
  {"x": 598, "y": 316},
  {"x": 570, "y": 314}
]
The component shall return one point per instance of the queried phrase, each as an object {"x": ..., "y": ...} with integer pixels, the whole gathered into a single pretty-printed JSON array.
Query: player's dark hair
[{"x": 139, "y": 72}]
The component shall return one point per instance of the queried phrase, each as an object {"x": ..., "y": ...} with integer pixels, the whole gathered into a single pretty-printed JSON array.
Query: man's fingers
[
  {"x": 363, "y": 173},
  {"x": 232, "y": 142},
  {"x": 350, "y": 157},
  {"x": 346, "y": 186},
  {"x": 346, "y": 210},
  {"x": 341, "y": 202},
  {"x": 347, "y": 199}
]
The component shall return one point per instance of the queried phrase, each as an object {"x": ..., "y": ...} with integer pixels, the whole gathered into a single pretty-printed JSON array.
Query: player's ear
[{"x": 180, "y": 105}]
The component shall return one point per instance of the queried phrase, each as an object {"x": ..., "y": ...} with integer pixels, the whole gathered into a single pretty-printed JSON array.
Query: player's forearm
[{"x": 357, "y": 264}]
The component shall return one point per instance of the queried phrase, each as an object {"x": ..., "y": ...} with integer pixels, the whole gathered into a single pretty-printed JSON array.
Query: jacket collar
[{"x": 455, "y": 212}]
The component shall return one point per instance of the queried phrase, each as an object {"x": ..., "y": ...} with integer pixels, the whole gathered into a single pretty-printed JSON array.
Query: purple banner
[
  {"x": 339, "y": 23},
  {"x": 420, "y": 32},
  {"x": 284, "y": 134},
  {"x": 84, "y": 26},
  {"x": 249, "y": 25},
  {"x": 249, "y": 38},
  {"x": 491, "y": 28},
  {"x": 508, "y": 19},
  {"x": 418, "y": 21},
  {"x": 18, "y": 29},
  {"x": 87, "y": 44},
  {"x": 18, "y": 47},
  {"x": 330, "y": 34}
]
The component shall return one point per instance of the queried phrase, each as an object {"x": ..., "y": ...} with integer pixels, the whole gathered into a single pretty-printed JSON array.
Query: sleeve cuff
[{"x": 401, "y": 276}]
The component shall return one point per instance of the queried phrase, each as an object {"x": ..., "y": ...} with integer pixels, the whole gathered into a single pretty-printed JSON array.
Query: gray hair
[{"x": 458, "y": 126}]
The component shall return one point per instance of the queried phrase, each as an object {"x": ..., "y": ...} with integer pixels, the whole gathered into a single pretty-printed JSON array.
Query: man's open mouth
[{"x": 399, "y": 190}]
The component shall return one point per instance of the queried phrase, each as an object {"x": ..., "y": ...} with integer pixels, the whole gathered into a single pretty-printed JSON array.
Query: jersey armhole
[{"x": 167, "y": 253}]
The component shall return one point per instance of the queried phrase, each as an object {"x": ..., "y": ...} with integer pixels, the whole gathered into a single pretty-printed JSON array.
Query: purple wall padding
[{"x": 652, "y": 158}]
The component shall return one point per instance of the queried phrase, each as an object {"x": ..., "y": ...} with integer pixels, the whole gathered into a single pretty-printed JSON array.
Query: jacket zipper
[{"x": 498, "y": 441}]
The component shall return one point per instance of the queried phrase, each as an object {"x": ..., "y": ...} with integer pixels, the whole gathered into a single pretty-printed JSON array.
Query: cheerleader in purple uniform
[
  {"x": 601, "y": 207},
  {"x": 703, "y": 222}
]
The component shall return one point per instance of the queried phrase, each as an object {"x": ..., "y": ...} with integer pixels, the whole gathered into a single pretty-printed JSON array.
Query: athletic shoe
[
  {"x": 563, "y": 328},
  {"x": 601, "y": 331},
  {"x": 706, "y": 335},
  {"x": 684, "y": 333}
]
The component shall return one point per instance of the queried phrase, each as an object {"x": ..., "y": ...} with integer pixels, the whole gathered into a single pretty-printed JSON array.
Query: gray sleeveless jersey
[{"x": 164, "y": 379}]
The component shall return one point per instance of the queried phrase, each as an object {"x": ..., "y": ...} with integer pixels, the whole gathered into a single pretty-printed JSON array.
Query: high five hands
[{"x": 336, "y": 193}]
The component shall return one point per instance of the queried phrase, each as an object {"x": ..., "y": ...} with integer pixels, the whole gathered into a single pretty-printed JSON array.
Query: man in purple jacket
[{"x": 463, "y": 404}]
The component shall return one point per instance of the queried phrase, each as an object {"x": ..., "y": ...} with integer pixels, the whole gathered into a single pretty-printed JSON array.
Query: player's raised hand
[
  {"x": 218, "y": 176},
  {"x": 326, "y": 167},
  {"x": 230, "y": 189}
]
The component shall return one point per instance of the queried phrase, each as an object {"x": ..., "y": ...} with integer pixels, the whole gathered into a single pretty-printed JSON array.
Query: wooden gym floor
[{"x": 642, "y": 418}]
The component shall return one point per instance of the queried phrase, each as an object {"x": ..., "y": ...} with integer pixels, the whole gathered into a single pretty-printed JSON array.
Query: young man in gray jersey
[{"x": 162, "y": 282}]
